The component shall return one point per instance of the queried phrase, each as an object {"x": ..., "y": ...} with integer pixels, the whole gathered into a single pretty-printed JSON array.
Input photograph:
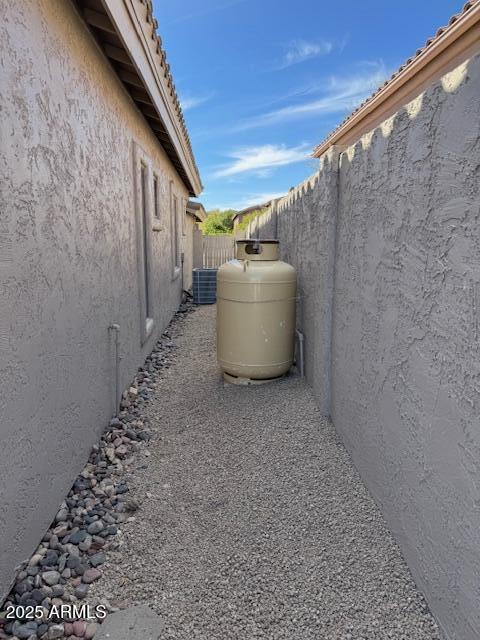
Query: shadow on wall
[
  {"x": 305, "y": 226},
  {"x": 398, "y": 368}
]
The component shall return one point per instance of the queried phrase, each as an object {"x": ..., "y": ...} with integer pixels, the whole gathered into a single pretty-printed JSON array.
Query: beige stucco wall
[
  {"x": 68, "y": 258},
  {"x": 386, "y": 241}
]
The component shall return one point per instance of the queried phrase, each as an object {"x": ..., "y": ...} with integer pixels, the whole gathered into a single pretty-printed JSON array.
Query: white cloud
[
  {"x": 340, "y": 94},
  {"x": 190, "y": 102},
  {"x": 301, "y": 50},
  {"x": 262, "y": 158},
  {"x": 259, "y": 198},
  {"x": 245, "y": 201}
]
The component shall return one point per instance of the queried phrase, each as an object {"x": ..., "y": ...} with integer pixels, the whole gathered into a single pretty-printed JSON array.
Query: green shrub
[{"x": 218, "y": 222}]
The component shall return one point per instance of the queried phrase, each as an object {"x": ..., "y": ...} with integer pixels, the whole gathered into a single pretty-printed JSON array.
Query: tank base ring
[{"x": 245, "y": 382}]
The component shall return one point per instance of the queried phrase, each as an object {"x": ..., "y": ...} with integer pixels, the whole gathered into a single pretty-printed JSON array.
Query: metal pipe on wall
[
  {"x": 116, "y": 329},
  {"x": 301, "y": 363}
]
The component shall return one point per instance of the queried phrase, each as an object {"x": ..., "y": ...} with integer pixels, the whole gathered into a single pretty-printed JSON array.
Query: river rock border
[{"x": 70, "y": 556}]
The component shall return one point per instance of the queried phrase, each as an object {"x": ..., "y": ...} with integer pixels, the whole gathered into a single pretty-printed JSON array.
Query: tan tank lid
[{"x": 257, "y": 249}]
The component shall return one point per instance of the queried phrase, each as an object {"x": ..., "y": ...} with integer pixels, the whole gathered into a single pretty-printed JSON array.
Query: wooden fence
[{"x": 217, "y": 249}]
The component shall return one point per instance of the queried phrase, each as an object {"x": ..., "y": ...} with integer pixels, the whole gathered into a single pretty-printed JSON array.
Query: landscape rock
[
  {"x": 61, "y": 530},
  {"x": 23, "y": 586},
  {"x": 79, "y": 627},
  {"x": 35, "y": 559},
  {"x": 62, "y": 515},
  {"x": 50, "y": 560},
  {"x": 81, "y": 591},
  {"x": 78, "y": 536},
  {"x": 58, "y": 590},
  {"x": 24, "y": 631},
  {"x": 51, "y": 577},
  {"x": 73, "y": 561},
  {"x": 91, "y": 575},
  {"x": 95, "y": 527},
  {"x": 55, "y": 631},
  {"x": 97, "y": 559}
]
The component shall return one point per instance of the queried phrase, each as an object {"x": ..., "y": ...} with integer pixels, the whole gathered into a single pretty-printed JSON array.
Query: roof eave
[
  {"x": 140, "y": 63},
  {"x": 196, "y": 210},
  {"x": 199, "y": 216},
  {"x": 457, "y": 42}
]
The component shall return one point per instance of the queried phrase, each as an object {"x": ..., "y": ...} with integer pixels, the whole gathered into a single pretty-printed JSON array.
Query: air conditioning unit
[{"x": 204, "y": 286}]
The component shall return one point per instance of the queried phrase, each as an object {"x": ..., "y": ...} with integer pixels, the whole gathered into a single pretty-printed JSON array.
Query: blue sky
[{"x": 263, "y": 81}]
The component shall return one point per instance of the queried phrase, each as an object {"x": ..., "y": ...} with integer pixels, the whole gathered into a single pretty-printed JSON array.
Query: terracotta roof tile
[{"x": 163, "y": 64}]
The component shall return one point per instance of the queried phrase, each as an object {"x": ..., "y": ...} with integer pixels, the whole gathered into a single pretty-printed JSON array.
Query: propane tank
[{"x": 256, "y": 298}]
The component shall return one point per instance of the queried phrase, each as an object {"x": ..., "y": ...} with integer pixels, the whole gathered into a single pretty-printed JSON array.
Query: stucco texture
[
  {"x": 264, "y": 226},
  {"x": 405, "y": 367},
  {"x": 306, "y": 230},
  {"x": 192, "y": 241},
  {"x": 68, "y": 258},
  {"x": 304, "y": 223}
]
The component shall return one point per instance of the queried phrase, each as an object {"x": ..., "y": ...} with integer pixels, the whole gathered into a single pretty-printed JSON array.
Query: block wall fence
[{"x": 386, "y": 240}]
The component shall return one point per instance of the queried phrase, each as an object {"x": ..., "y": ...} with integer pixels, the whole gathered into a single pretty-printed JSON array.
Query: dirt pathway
[{"x": 253, "y": 522}]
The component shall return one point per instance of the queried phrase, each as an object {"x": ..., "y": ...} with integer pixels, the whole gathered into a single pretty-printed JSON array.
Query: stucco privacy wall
[
  {"x": 405, "y": 365},
  {"x": 306, "y": 229},
  {"x": 266, "y": 225},
  {"x": 68, "y": 258}
]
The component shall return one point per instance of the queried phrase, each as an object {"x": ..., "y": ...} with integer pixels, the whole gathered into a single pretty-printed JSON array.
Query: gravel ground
[{"x": 253, "y": 523}]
